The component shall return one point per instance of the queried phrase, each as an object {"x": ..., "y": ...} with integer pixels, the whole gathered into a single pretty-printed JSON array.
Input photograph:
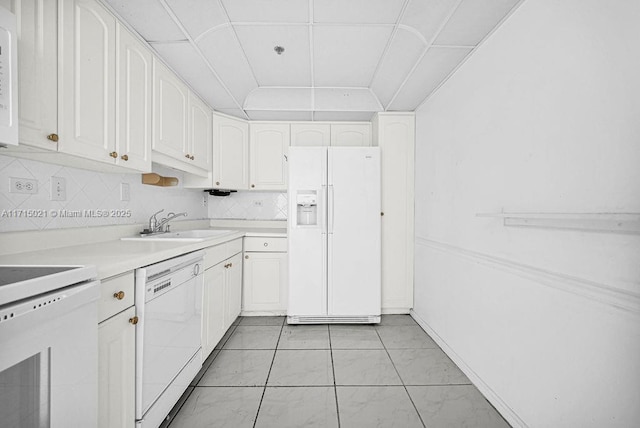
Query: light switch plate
[{"x": 58, "y": 189}]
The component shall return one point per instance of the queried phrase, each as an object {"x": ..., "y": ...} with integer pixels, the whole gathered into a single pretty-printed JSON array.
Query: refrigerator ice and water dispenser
[{"x": 306, "y": 201}]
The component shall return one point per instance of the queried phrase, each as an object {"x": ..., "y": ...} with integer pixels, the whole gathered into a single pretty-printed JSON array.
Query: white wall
[
  {"x": 88, "y": 190},
  {"x": 544, "y": 117}
]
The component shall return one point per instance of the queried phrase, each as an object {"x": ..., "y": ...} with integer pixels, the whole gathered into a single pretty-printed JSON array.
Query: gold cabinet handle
[
  {"x": 124, "y": 157},
  {"x": 119, "y": 295},
  {"x": 381, "y": 214},
  {"x": 134, "y": 320},
  {"x": 192, "y": 157},
  {"x": 230, "y": 264},
  {"x": 187, "y": 156},
  {"x": 53, "y": 137},
  {"x": 113, "y": 154}
]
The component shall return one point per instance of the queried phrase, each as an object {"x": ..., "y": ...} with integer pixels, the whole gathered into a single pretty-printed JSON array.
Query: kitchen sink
[{"x": 182, "y": 236}]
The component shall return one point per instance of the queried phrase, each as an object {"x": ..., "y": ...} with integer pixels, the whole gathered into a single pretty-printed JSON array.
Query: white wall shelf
[{"x": 626, "y": 223}]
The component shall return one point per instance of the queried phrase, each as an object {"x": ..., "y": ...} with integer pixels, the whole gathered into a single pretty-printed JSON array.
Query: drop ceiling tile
[
  {"x": 473, "y": 20},
  {"x": 345, "y": 99},
  {"x": 187, "y": 62},
  {"x": 291, "y": 68},
  {"x": 427, "y": 16},
  {"x": 357, "y": 11},
  {"x": 342, "y": 116},
  {"x": 434, "y": 67},
  {"x": 404, "y": 52},
  {"x": 347, "y": 55},
  {"x": 197, "y": 16},
  {"x": 149, "y": 18},
  {"x": 267, "y": 11},
  {"x": 223, "y": 52},
  {"x": 279, "y": 115},
  {"x": 279, "y": 99}
]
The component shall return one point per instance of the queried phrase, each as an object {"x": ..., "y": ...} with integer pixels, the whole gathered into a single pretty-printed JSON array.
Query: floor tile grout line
[
  {"x": 333, "y": 370},
  {"x": 193, "y": 388},
  {"x": 266, "y": 382},
  {"x": 401, "y": 380}
]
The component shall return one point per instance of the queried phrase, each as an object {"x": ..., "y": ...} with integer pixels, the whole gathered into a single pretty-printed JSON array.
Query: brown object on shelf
[{"x": 158, "y": 180}]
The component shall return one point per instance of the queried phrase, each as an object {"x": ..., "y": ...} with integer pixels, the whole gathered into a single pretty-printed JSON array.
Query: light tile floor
[{"x": 265, "y": 373}]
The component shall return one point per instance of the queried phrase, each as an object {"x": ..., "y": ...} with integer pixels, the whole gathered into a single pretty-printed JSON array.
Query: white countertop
[{"x": 114, "y": 257}]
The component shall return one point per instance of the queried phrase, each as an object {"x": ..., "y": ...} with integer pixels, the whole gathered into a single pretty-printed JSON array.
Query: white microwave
[{"x": 8, "y": 79}]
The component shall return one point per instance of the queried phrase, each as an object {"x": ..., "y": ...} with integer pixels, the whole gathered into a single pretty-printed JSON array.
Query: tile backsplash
[
  {"x": 92, "y": 198},
  {"x": 249, "y": 206}
]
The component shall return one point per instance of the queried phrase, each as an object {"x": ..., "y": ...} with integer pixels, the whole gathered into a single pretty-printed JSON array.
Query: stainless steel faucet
[
  {"x": 163, "y": 225},
  {"x": 160, "y": 226}
]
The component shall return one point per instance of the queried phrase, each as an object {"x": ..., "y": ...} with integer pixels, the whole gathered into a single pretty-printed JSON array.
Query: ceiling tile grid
[{"x": 351, "y": 58}]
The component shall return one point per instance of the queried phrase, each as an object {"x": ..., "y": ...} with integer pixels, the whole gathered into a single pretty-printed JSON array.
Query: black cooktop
[{"x": 13, "y": 274}]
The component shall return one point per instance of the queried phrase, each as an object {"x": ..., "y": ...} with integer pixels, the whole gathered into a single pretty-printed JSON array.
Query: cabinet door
[
  {"x": 234, "y": 289},
  {"x": 134, "y": 102},
  {"x": 396, "y": 135},
  {"x": 169, "y": 113},
  {"x": 199, "y": 133},
  {"x": 351, "y": 134},
  {"x": 268, "y": 148},
  {"x": 38, "y": 70},
  {"x": 265, "y": 282},
  {"x": 313, "y": 135},
  {"x": 116, "y": 371},
  {"x": 213, "y": 308},
  {"x": 230, "y": 153},
  {"x": 87, "y": 80}
]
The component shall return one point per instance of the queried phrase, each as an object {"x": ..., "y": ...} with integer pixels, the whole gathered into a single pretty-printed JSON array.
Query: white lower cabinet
[
  {"x": 265, "y": 276},
  {"x": 116, "y": 371},
  {"x": 222, "y": 294}
]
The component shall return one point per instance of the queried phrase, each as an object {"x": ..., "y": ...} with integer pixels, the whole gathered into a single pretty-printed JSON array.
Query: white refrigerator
[{"x": 334, "y": 235}]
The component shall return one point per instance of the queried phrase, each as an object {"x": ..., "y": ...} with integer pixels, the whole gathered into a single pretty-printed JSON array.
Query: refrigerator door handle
[
  {"x": 330, "y": 209},
  {"x": 322, "y": 208}
]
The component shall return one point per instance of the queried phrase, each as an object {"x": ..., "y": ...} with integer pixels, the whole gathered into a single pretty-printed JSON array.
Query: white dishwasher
[{"x": 168, "y": 334}]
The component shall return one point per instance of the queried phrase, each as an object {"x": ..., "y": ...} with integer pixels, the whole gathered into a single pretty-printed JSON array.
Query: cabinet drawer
[
  {"x": 234, "y": 247},
  {"x": 265, "y": 244},
  {"x": 116, "y": 295},
  {"x": 214, "y": 255}
]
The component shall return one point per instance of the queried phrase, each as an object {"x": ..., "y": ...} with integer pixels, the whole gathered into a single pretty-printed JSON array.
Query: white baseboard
[{"x": 485, "y": 389}]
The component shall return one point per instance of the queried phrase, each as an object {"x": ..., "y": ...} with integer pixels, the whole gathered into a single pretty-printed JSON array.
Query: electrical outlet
[
  {"x": 125, "y": 192},
  {"x": 58, "y": 189},
  {"x": 24, "y": 185}
]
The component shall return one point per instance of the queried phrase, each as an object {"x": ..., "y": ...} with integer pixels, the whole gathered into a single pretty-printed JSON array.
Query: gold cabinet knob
[
  {"x": 217, "y": 183},
  {"x": 246, "y": 257},
  {"x": 192, "y": 157},
  {"x": 113, "y": 154},
  {"x": 186, "y": 156},
  {"x": 53, "y": 137},
  {"x": 124, "y": 157},
  {"x": 253, "y": 185},
  {"x": 134, "y": 320},
  {"x": 119, "y": 295},
  {"x": 230, "y": 264}
]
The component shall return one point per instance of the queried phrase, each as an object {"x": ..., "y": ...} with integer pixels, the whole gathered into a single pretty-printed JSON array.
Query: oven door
[{"x": 49, "y": 359}]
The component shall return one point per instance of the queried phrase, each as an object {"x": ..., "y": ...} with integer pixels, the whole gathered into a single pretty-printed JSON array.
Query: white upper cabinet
[
  {"x": 38, "y": 70},
  {"x": 351, "y": 134},
  {"x": 310, "y": 134},
  {"x": 87, "y": 81},
  {"x": 230, "y": 153},
  {"x": 134, "y": 73},
  {"x": 170, "y": 109},
  {"x": 200, "y": 132},
  {"x": 268, "y": 149}
]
